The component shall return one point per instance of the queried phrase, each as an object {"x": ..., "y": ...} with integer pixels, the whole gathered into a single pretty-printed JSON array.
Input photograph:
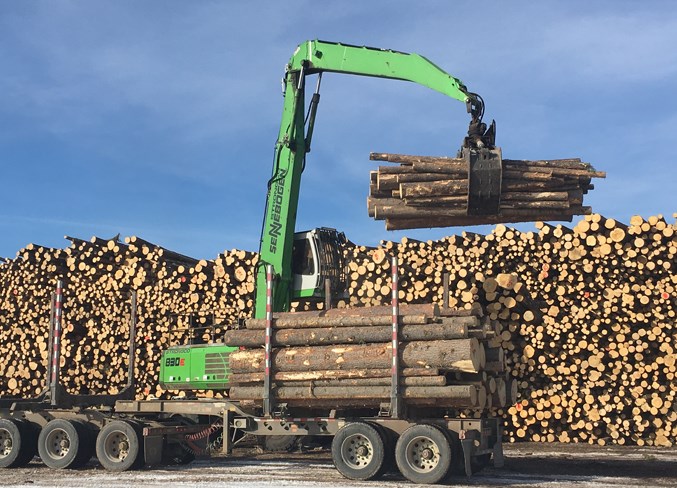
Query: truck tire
[
  {"x": 18, "y": 443},
  {"x": 119, "y": 446},
  {"x": 389, "y": 440},
  {"x": 457, "y": 457},
  {"x": 64, "y": 444},
  {"x": 280, "y": 443},
  {"x": 87, "y": 448},
  {"x": 423, "y": 454},
  {"x": 358, "y": 451}
]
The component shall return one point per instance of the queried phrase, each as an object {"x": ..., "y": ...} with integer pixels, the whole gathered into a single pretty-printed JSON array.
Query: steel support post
[
  {"x": 395, "y": 396},
  {"x": 267, "y": 400},
  {"x": 55, "y": 368}
]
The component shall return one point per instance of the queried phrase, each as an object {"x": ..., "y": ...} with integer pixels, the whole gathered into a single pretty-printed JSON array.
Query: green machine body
[{"x": 196, "y": 367}]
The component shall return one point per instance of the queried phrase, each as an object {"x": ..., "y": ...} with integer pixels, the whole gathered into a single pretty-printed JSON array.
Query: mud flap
[
  {"x": 467, "y": 445},
  {"x": 152, "y": 450},
  {"x": 498, "y": 459}
]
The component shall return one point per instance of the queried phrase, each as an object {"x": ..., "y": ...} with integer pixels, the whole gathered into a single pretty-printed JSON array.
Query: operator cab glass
[
  {"x": 305, "y": 265},
  {"x": 317, "y": 256},
  {"x": 303, "y": 261}
]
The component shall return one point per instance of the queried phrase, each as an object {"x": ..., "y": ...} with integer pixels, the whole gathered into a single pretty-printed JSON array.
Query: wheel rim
[
  {"x": 57, "y": 444},
  {"x": 116, "y": 446},
  {"x": 423, "y": 454},
  {"x": 357, "y": 451},
  {"x": 5, "y": 443}
]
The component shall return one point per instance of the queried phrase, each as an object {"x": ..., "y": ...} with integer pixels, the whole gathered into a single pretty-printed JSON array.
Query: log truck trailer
[{"x": 67, "y": 430}]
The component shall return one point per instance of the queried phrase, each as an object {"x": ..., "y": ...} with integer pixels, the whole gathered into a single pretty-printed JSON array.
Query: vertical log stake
[
  {"x": 55, "y": 369},
  {"x": 395, "y": 397},
  {"x": 267, "y": 400}
]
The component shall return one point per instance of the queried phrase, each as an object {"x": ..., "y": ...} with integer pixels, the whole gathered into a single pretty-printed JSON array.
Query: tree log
[
  {"x": 293, "y": 322},
  {"x": 452, "y": 355},
  {"x": 346, "y": 335},
  {"x": 331, "y": 374},
  {"x": 427, "y": 189},
  {"x": 349, "y": 382},
  {"x": 429, "y": 309},
  {"x": 443, "y": 396}
]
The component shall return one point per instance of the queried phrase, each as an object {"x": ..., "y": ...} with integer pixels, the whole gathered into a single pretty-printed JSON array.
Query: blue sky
[{"x": 159, "y": 118}]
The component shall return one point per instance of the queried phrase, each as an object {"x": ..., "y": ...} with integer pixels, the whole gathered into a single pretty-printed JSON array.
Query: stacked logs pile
[
  {"x": 343, "y": 357},
  {"x": 586, "y": 318},
  {"x": 176, "y": 295},
  {"x": 594, "y": 351},
  {"x": 429, "y": 191}
]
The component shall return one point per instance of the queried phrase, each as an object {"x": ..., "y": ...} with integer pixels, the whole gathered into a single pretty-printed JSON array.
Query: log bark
[
  {"x": 384, "y": 381},
  {"x": 346, "y": 335},
  {"x": 427, "y": 189},
  {"x": 452, "y": 355},
  {"x": 442, "y": 396},
  {"x": 429, "y": 309},
  {"x": 331, "y": 374},
  {"x": 433, "y": 192},
  {"x": 304, "y": 322},
  {"x": 409, "y": 159}
]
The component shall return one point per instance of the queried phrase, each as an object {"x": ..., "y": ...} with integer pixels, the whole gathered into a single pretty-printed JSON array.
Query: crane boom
[
  {"x": 320, "y": 56},
  {"x": 317, "y": 57}
]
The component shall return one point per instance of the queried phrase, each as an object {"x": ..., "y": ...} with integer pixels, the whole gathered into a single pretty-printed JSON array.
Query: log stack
[
  {"x": 176, "y": 296},
  {"x": 593, "y": 351},
  {"x": 430, "y": 191},
  {"x": 586, "y": 314},
  {"x": 342, "y": 358}
]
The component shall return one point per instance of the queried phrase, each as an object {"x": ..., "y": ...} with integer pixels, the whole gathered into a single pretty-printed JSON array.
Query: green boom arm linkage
[{"x": 316, "y": 57}]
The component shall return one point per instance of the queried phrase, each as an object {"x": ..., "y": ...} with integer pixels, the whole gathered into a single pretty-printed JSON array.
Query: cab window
[{"x": 302, "y": 258}]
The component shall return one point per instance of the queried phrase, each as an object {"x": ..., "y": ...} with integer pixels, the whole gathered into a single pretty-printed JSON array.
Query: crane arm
[{"x": 317, "y": 57}]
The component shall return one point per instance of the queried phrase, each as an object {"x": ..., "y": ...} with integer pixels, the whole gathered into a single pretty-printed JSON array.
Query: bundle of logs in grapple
[
  {"x": 343, "y": 358},
  {"x": 429, "y": 191}
]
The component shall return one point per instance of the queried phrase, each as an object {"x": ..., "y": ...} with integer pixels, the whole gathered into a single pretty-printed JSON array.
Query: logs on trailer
[
  {"x": 428, "y": 191},
  {"x": 372, "y": 395},
  {"x": 437, "y": 343},
  {"x": 586, "y": 318},
  {"x": 453, "y": 355},
  {"x": 347, "y": 335}
]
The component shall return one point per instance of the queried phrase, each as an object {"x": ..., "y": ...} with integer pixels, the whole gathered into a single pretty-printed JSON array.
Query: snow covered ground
[{"x": 527, "y": 465}]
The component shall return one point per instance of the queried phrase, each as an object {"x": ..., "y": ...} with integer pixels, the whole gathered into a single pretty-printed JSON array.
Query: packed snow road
[{"x": 527, "y": 465}]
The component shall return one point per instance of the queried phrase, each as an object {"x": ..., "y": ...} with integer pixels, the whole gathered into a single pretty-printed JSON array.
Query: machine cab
[{"x": 317, "y": 256}]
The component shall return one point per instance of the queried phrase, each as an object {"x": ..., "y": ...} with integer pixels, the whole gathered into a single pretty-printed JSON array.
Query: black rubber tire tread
[
  {"x": 374, "y": 436},
  {"x": 74, "y": 431},
  {"x": 457, "y": 458},
  {"x": 86, "y": 446},
  {"x": 389, "y": 440},
  {"x": 141, "y": 458},
  {"x": 280, "y": 443},
  {"x": 29, "y": 442},
  {"x": 24, "y": 443},
  {"x": 440, "y": 438},
  {"x": 132, "y": 431}
]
